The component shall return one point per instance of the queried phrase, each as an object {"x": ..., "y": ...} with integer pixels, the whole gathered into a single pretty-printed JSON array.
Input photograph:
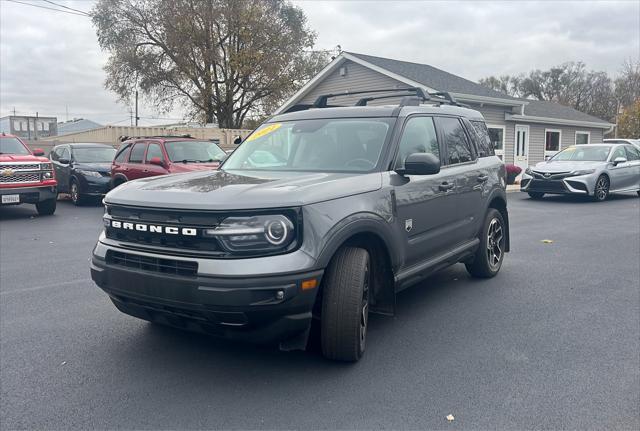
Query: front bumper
[
  {"x": 31, "y": 194},
  {"x": 166, "y": 289},
  {"x": 580, "y": 185},
  {"x": 94, "y": 186}
]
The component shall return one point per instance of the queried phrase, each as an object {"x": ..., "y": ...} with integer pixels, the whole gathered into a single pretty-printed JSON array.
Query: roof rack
[
  {"x": 126, "y": 138},
  {"x": 416, "y": 94}
]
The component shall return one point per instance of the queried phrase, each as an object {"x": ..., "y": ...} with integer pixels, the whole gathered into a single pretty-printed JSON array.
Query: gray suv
[{"x": 320, "y": 216}]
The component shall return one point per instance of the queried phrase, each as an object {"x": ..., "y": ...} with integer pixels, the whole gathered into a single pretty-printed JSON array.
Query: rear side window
[
  {"x": 137, "y": 153},
  {"x": 455, "y": 141},
  {"x": 485, "y": 148},
  {"x": 122, "y": 154},
  {"x": 154, "y": 150}
]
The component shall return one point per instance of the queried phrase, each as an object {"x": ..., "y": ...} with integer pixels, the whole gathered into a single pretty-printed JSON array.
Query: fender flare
[{"x": 363, "y": 222}]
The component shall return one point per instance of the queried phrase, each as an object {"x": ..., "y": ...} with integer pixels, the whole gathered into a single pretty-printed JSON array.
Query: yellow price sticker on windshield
[{"x": 263, "y": 132}]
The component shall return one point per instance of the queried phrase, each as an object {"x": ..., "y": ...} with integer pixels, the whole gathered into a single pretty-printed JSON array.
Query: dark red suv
[{"x": 147, "y": 157}]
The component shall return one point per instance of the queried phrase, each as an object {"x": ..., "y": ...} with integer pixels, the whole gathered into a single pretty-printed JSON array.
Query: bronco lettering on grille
[{"x": 141, "y": 227}]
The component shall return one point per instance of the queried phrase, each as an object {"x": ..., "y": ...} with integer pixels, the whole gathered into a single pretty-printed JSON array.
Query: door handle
[
  {"x": 482, "y": 178},
  {"x": 446, "y": 187}
]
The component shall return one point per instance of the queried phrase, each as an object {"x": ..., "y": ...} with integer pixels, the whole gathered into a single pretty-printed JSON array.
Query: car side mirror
[
  {"x": 156, "y": 161},
  {"x": 619, "y": 160},
  {"x": 38, "y": 152},
  {"x": 64, "y": 161},
  {"x": 420, "y": 164},
  {"x": 237, "y": 140}
]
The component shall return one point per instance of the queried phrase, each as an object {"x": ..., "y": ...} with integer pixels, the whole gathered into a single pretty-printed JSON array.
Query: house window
[
  {"x": 552, "y": 139},
  {"x": 496, "y": 135},
  {"x": 583, "y": 138}
]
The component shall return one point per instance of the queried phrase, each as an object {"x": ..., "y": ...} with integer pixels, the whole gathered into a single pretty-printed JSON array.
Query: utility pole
[
  {"x": 14, "y": 111},
  {"x": 35, "y": 128},
  {"x": 130, "y": 117},
  {"x": 137, "y": 118}
]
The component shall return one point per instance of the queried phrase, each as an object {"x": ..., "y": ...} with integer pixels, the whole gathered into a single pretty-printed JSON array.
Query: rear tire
[
  {"x": 601, "y": 190},
  {"x": 490, "y": 254},
  {"x": 47, "y": 207},
  {"x": 536, "y": 195},
  {"x": 345, "y": 305}
]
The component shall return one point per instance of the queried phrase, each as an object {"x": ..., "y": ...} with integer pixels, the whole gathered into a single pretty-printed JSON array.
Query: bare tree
[{"x": 220, "y": 59}]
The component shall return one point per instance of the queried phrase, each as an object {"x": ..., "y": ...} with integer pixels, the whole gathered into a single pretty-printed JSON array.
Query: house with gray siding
[{"x": 524, "y": 131}]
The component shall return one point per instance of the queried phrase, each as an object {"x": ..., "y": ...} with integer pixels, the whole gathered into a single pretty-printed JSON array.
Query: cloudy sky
[{"x": 50, "y": 62}]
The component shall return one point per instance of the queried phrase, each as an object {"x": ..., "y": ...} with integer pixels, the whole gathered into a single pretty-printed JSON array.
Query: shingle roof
[
  {"x": 432, "y": 77},
  {"x": 539, "y": 108}
]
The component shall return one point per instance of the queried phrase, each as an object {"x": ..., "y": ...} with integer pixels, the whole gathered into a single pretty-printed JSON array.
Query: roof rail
[
  {"x": 321, "y": 101},
  {"x": 126, "y": 138}
]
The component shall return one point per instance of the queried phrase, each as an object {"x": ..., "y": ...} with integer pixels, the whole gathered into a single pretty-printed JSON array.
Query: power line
[
  {"x": 67, "y": 7},
  {"x": 49, "y": 8}
]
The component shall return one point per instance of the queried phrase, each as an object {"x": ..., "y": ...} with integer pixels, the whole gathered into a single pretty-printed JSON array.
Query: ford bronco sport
[
  {"x": 320, "y": 215},
  {"x": 26, "y": 176}
]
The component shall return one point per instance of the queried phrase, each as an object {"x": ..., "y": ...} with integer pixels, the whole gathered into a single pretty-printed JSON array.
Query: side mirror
[
  {"x": 546, "y": 158},
  {"x": 237, "y": 140},
  {"x": 156, "y": 161},
  {"x": 38, "y": 152},
  {"x": 619, "y": 160},
  {"x": 64, "y": 161},
  {"x": 420, "y": 164}
]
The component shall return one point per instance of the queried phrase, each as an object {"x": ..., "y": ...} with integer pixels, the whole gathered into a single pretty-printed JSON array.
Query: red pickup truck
[{"x": 26, "y": 176}]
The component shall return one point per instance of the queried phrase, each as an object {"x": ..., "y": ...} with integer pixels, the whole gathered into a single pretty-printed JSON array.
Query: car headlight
[
  {"x": 582, "y": 172},
  {"x": 261, "y": 233},
  {"x": 88, "y": 173},
  {"x": 46, "y": 166},
  {"x": 47, "y": 175}
]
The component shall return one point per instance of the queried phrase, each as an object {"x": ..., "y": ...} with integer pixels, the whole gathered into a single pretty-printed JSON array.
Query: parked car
[
  {"x": 355, "y": 204},
  {"x": 25, "y": 176},
  {"x": 594, "y": 170},
  {"x": 148, "y": 157},
  {"x": 635, "y": 142},
  {"x": 83, "y": 170}
]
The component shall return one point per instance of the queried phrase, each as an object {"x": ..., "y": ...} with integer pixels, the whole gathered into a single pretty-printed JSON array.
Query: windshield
[
  {"x": 325, "y": 145},
  {"x": 12, "y": 146},
  {"x": 194, "y": 151},
  {"x": 583, "y": 153},
  {"x": 94, "y": 155}
]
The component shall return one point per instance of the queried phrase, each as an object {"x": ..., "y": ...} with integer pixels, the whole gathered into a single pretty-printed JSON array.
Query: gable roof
[
  {"x": 432, "y": 77},
  {"x": 540, "y": 108}
]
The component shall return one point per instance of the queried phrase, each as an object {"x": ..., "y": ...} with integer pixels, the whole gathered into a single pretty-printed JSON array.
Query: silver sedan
[{"x": 593, "y": 170}]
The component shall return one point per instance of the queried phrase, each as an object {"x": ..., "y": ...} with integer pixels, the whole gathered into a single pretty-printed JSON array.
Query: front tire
[
  {"x": 345, "y": 305},
  {"x": 47, "y": 207},
  {"x": 536, "y": 195},
  {"x": 601, "y": 190},
  {"x": 490, "y": 254},
  {"x": 74, "y": 192}
]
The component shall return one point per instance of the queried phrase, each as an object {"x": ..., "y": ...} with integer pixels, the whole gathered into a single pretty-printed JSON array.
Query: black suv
[{"x": 320, "y": 215}]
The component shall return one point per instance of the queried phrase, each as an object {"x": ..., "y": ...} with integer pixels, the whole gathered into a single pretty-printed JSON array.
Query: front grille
[
  {"x": 164, "y": 240},
  {"x": 145, "y": 263},
  {"x": 18, "y": 177},
  {"x": 547, "y": 186},
  {"x": 553, "y": 176},
  {"x": 20, "y": 166}
]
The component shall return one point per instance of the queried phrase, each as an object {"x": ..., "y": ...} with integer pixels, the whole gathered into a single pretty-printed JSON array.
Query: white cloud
[{"x": 51, "y": 60}]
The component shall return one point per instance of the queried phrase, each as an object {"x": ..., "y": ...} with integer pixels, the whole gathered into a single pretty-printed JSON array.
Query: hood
[
  {"x": 566, "y": 166},
  {"x": 192, "y": 167},
  {"x": 97, "y": 167},
  {"x": 235, "y": 190},
  {"x": 22, "y": 158}
]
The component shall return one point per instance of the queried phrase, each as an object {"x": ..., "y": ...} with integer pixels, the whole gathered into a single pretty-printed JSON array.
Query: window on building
[
  {"x": 552, "y": 141},
  {"x": 418, "y": 136},
  {"x": 455, "y": 140},
  {"x": 17, "y": 125},
  {"x": 582, "y": 138}
]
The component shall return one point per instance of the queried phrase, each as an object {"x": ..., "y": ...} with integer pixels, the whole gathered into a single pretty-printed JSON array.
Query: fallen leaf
[
  {"x": 450, "y": 417},
  {"x": 547, "y": 241},
  {"x": 63, "y": 362}
]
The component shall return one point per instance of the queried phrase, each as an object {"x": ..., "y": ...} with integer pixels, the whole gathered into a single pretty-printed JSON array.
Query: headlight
[
  {"x": 88, "y": 173},
  {"x": 583, "y": 172},
  {"x": 47, "y": 175},
  {"x": 46, "y": 166},
  {"x": 268, "y": 233}
]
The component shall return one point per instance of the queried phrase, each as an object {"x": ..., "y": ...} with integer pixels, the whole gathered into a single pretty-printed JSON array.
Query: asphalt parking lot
[{"x": 552, "y": 342}]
